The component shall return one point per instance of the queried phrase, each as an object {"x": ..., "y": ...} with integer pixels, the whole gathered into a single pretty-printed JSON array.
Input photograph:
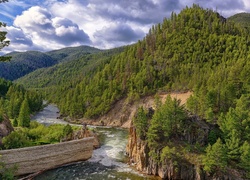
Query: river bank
[
  {"x": 107, "y": 162},
  {"x": 122, "y": 112}
]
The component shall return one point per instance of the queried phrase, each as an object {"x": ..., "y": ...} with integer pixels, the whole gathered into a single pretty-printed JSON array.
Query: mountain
[
  {"x": 71, "y": 53},
  {"x": 68, "y": 70},
  {"x": 23, "y": 63},
  {"x": 243, "y": 19},
  {"x": 196, "y": 50}
]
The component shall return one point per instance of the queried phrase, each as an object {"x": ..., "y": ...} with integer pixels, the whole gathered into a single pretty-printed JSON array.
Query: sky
[{"x": 46, "y": 25}]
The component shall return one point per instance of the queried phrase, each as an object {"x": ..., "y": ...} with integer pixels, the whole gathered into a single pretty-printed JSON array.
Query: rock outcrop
[
  {"x": 5, "y": 128},
  {"x": 138, "y": 152},
  {"x": 122, "y": 112},
  {"x": 84, "y": 133}
]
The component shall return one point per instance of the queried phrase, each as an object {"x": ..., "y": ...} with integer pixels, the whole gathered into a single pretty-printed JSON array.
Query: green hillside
[
  {"x": 12, "y": 98},
  {"x": 196, "y": 50},
  {"x": 68, "y": 70},
  {"x": 71, "y": 53},
  {"x": 23, "y": 63},
  {"x": 243, "y": 19}
]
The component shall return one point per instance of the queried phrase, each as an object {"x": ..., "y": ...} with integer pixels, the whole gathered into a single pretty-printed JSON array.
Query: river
[{"x": 107, "y": 162}]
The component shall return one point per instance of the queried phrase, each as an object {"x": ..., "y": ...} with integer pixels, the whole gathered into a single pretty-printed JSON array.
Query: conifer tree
[
  {"x": 215, "y": 158},
  {"x": 15, "y": 122},
  {"x": 245, "y": 158},
  {"x": 24, "y": 115},
  {"x": 141, "y": 123},
  {"x": 3, "y": 41}
]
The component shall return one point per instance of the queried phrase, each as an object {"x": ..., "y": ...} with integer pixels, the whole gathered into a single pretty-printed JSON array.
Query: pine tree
[
  {"x": 233, "y": 145},
  {"x": 15, "y": 122},
  {"x": 215, "y": 157},
  {"x": 3, "y": 42},
  {"x": 24, "y": 115},
  {"x": 245, "y": 158},
  {"x": 141, "y": 123}
]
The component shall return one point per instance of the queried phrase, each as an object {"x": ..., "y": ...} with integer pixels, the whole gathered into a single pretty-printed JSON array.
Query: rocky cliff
[{"x": 185, "y": 168}]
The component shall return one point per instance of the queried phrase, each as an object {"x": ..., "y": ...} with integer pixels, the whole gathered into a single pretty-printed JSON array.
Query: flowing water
[{"x": 107, "y": 162}]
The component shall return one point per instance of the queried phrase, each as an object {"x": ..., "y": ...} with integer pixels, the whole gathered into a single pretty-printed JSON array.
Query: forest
[
  {"x": 196, "y": 50},
  {"x": 22, "y": 63},
  {"x": 18, "y": 103}
]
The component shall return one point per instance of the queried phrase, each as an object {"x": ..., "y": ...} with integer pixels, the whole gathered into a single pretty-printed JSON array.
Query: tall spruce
[{"x": 24, "y": 115}]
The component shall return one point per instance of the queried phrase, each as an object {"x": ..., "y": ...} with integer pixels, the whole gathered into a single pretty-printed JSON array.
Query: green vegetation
[
  {"x": 24, "y": 114},
  {"x": 23, "y": 63},
  {"x": 66, "y": 73},
  {"x": 213, "y": 62},
  {"x": 196, "y": 50},
  {"x": 215, "y": 157},
  {"x": 167, "y": 122},
  {"x": 3, "y": 41},
  {"x": 243, "y": 19},
  {"x": 7, "y": 173},
  {"x": 18, "y": 103},
  {"x": 37, "y": 134}
]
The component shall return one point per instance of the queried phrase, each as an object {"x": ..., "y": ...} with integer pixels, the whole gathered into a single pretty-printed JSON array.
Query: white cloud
[
  {"x": 46, "y": 31},
  {"x": 104, "y": 24},
  {"x": 117, "y": 34}
]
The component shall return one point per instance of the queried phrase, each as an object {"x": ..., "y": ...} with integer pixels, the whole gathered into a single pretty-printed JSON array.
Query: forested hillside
[
  {"x": 18, "y": 103},
  {"x": 23, "y": 63},
  {"x": 67, "y": 71},
  {"x": 196, "y": 50},
  {"x": 242, "y": 19}
]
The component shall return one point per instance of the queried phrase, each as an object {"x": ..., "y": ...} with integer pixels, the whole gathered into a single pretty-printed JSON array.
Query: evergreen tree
[
  {"x": 24, "y": 115},
  {"x": 15, "y": 122},
  {"x": 3, "y": 42},
  {"x": 141, "y": 123},
  {"x": 215, "y": 158},
  {"x": 245, "y": 158},
  {"x": 233, "y": 145}
]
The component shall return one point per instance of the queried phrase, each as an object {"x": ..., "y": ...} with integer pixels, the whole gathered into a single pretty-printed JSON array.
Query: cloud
[
  {"x": 53, "y": 24},
  {"x": 226, "y": 7},
  {"x": 19, "y": 40},
  {"x": 47, "y": 31},
  {"x": 118, "y": 34}
]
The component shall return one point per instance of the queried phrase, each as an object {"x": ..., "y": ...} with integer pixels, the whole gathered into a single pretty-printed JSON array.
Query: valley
[{"x": 177, "y": 100}]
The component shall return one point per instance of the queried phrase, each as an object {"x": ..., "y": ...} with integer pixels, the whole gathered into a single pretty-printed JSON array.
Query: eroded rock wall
[{"x": 138, "y": 153}]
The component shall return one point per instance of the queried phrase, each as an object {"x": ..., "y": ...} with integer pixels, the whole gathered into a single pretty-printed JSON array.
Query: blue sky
[{"x": 46, "y": 25}]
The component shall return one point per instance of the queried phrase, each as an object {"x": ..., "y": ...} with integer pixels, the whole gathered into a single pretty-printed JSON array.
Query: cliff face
[{"x": 138, "y": 152}]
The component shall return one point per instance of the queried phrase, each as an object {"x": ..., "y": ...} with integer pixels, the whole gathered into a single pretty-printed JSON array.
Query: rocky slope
[
  {"x": 188, "y": 167},
  {"x": 122, "y": 112}
]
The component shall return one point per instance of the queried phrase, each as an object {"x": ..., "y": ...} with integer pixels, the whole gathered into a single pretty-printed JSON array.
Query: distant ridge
[
  {"x": 243, "y": 19},
  {"x": 23, "y": 63}
]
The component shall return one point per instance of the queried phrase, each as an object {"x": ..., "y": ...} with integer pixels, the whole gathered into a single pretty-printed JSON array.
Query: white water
[
  {"x": 49, "y": 115},
  {"x": 107, "y": 162}
]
